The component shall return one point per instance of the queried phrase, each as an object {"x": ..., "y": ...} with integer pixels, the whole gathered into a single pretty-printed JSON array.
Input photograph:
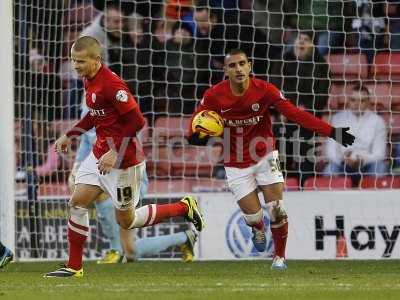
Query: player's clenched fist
[
  {"x": 107, "y": 161},
  {"x": 62, "y": 144}
]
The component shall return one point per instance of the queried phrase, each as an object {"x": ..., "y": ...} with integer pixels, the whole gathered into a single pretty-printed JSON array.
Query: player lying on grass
[
  {"x": 116, "y": 164},
  {"x": 123, "y": 247},
  {"x": 5, "y": 255},
  {"x": 252, "y": 162}
]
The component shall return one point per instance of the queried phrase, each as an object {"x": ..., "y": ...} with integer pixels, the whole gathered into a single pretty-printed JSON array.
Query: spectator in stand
[
  {"x": 214, "y": 38},
  {"x": 181, "y": 71},
  {"x": 172, "y": 12},
  {"x": 326, "y": 18},
  {"x": 107, "y": 28},
  {"x": 210, "y": 44},
  {"x": 130, "y": 51},
  {"x": 392, "y": 21},
  {"x": 273, "y": 17},
  {"x": 304, "y": 74},
  {"x": 367, "y": 154},
  {"x": 132, "y": 47},
  {"x": 146, "y": 56},
  {"x": 43, "y": 103},
  {"x": 178, "y": 9},
  {"x": 303, "y": 77},
  {"x": 368, "y": 28}
]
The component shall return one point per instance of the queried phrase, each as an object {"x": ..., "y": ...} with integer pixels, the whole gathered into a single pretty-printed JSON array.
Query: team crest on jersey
[
  {"x": 122, "y": 96},
  {"x": 93, "y": 97},
  {"x": 255, "y": 107}
]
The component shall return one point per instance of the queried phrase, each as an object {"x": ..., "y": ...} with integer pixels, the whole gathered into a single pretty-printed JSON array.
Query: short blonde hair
[{"x": 88, "y": 43}]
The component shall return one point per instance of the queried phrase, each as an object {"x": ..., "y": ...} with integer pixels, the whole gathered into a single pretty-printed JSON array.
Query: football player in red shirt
[
  {"x": 252, "y": 164},
  {"x": 116, "y": 163}
]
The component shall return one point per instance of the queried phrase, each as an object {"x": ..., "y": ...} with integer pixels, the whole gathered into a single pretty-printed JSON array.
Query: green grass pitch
[{"x": 245, "y": 280}]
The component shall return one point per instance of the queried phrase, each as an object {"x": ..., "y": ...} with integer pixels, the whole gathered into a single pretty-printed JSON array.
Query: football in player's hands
[
  {"x": 208, "y": 123},
  {"x": 341, "y": 136}
]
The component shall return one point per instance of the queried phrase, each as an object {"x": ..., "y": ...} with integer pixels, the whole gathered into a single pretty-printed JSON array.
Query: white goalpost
[{"x": 7, "y": 153}]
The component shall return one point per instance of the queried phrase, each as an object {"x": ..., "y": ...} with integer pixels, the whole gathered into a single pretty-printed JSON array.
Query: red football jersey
[
  {"x": 107, "y": 98},
  {"x": 248, "y": 122}
]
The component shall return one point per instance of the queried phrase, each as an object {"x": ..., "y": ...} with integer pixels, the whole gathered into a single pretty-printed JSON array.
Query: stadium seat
[
  {"x": 174, "y": 156},
  {"x": 291, "y": 184},
  {"x": 145, "y": 137},
  {"x": 384, "y": 96},
  {"x": 166, "y": 186},
  {"x": 347, "y": 66},
  {"x": 386, "y": 66},
  {"x": 144, "y": 134},
  {"x": 166, "y": 127},
  {"x": 338, "y": 95},
  {"x": 393, "y": 122},
  {"x": 54, "y": 190},
  {"x": 381, "y": 98},
  {"x": 385, "y": 182},
  {"x": 327, "y": 183},
  {"x": 188, "y": 160},
  {"x": 395, "y": 93}
]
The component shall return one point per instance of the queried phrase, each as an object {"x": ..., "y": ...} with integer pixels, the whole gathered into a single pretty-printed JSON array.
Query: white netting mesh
[{"x": 169, "y": 52}]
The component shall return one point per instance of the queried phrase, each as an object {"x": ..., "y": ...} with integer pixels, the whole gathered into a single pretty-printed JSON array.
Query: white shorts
[
  {"x": 244, "y": 181},
  {"x": 123, "y": 185}
]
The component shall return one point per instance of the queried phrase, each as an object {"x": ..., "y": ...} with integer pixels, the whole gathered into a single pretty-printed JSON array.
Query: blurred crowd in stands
[{"x": 170, "y": 51}]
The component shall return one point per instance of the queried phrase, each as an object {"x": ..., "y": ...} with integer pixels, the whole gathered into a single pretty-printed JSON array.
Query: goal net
[{"x": 339, "y": 60}]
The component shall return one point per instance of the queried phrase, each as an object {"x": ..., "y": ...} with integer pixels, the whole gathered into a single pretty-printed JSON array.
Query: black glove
[
  {"x": 195, "y": 139},
  {"x": 341, "y": 136}
]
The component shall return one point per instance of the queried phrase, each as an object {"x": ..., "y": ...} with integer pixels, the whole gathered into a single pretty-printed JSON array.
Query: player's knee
[
  {"x": 277, "y": 211},
  {"x": 126, "y": 222},
  {"x": 77, "y": 201},
  {"x": 77, "y": 210},
  {"x": 79, "y": 215},
  {"x": 253, "y": 218}
]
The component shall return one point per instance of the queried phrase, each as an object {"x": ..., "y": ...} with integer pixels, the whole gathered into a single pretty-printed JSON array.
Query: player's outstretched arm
[{"x": 308, "y": 121}]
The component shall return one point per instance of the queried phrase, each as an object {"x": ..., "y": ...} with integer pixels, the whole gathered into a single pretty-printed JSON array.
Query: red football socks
[
  {"x": 279, "y": 235},
  {"x": 259, "y": 225},
  {"x": 160, "y": 212},
  {"x": 77, "y": 235}
]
